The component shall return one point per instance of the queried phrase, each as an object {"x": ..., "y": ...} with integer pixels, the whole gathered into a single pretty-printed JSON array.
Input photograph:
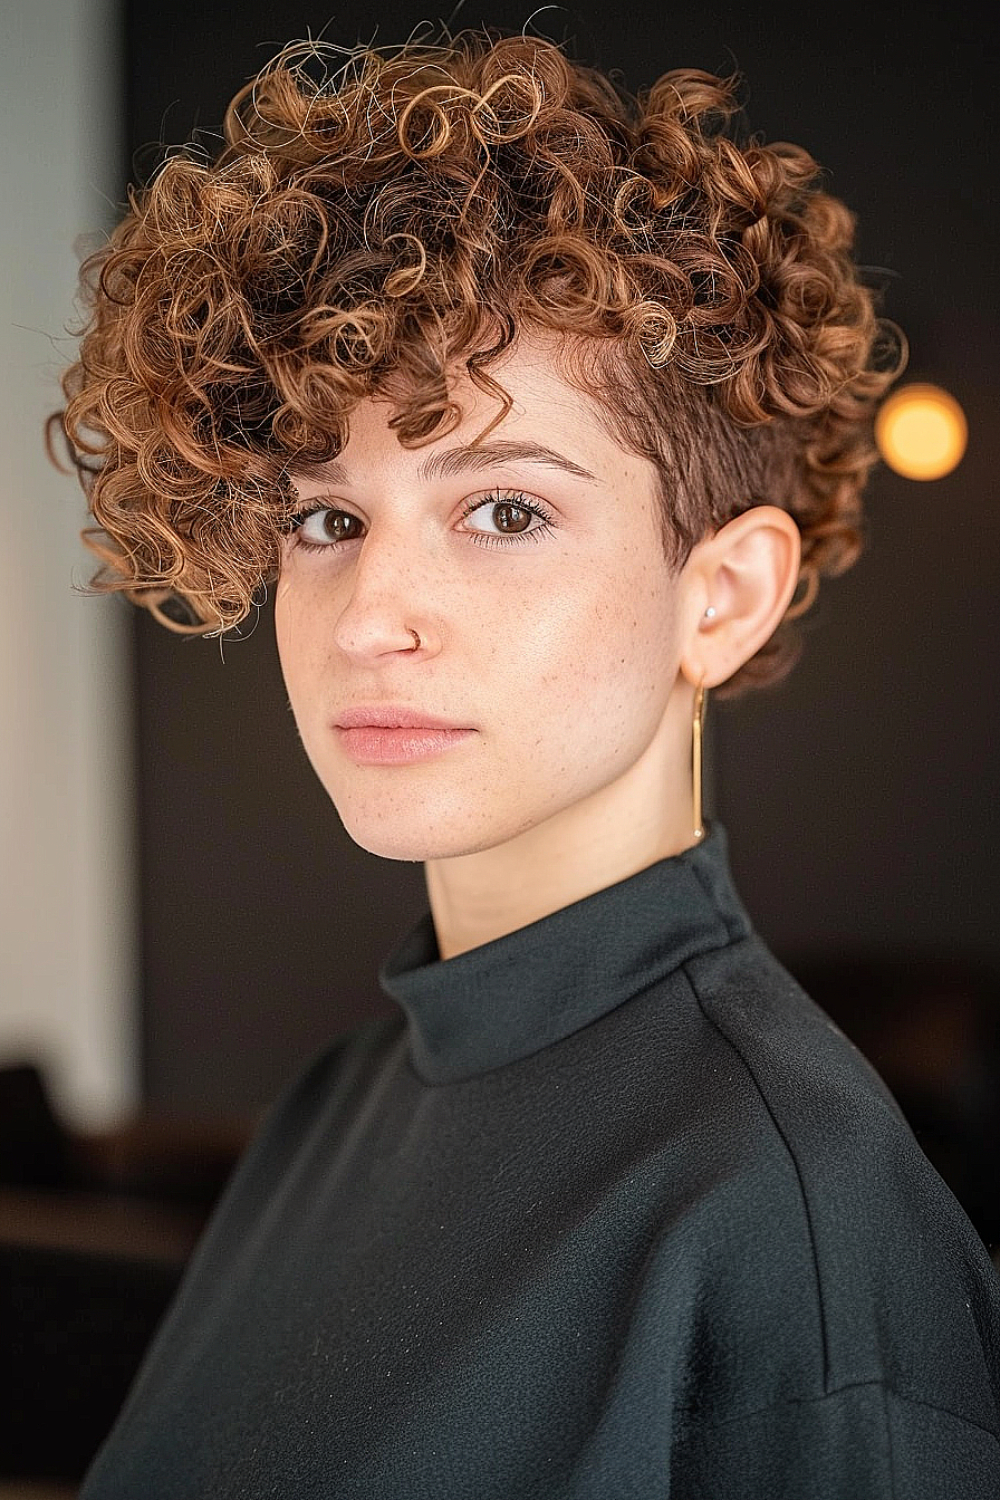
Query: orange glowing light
[{"x": 921, "y": 431}]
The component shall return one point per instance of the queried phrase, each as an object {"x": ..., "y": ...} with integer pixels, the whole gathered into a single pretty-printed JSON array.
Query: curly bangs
[{"x": 377, "y": 228}]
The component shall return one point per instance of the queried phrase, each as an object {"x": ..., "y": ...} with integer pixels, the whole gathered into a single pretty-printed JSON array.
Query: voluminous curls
[{"x": 371, "y": 230}]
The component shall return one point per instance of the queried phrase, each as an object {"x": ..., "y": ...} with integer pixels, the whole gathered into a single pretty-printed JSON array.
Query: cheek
[
  {"x": 298, "y": 639},
  {"x": 602, "y": 649},
  {"x": 284, "y": 628}
]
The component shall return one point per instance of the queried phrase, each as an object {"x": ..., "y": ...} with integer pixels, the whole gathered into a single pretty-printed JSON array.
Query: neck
[{"x": 643, "y": 817}]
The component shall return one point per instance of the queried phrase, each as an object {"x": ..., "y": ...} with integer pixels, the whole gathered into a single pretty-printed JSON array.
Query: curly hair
[{"x": 372, "y": 230}]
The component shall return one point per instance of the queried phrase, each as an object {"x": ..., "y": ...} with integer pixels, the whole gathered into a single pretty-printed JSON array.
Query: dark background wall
[{"x": 860, "y": 797}]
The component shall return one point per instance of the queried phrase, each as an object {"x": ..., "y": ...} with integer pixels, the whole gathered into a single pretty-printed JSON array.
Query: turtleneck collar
[{"x": 508, "y": 998}]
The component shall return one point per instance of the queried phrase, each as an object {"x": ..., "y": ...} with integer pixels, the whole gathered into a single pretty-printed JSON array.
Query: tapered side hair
[{"x": 377, "y": 227}]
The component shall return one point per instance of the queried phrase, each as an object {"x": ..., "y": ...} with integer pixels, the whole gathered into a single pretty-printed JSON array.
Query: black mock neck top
[
  {"x": 607, "y": 1208},
  {"x": 507, "y": 999}
]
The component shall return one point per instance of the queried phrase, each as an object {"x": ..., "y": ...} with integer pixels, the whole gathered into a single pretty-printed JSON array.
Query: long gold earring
[{"x": 699, "y": 719}]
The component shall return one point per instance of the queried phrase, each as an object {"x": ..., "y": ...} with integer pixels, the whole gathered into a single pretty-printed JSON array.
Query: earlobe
[{"x": 742, "y": 579}]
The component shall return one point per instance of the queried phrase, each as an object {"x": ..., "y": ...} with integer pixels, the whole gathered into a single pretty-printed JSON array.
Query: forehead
[{"x": 548, "y": 413}]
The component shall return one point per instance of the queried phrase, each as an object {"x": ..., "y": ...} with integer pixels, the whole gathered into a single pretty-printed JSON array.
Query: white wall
[{"x": 68, "y": 974}]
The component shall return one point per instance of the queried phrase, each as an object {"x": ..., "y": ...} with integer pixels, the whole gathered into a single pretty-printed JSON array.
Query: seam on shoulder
[
  {"x": 946, "y": 1411},
  {"x": 840, "y": 1390},
  {"x": 885, "y": 1387},
  {"x": 803, "y": 1196}
]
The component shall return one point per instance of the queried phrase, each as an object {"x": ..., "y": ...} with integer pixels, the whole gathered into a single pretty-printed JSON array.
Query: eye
[
  {"x": 505, "y": 517},
  {"x": 325, "y": 527}
]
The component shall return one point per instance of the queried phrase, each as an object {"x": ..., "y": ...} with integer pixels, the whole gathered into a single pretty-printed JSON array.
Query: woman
[{"x": 545, "y": 407}]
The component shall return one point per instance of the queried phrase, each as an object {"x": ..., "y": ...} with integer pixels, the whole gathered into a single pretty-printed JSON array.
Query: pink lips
[{"x": 390, "y": 735}]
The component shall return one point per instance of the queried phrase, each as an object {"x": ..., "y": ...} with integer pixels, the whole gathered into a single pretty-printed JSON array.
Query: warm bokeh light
[{"x": 921, "y": 431}]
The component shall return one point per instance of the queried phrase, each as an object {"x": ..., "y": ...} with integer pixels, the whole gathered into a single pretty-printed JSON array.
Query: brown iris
[
  {"x": 508, "y": 517},
  {"x": 339, "y": 525}
]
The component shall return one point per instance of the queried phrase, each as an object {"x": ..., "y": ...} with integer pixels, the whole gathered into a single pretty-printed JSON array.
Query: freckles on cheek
[{"x": 296, "y": 643}]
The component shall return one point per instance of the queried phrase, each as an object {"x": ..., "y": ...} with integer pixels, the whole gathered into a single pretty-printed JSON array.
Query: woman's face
[{"x": 545, "y": 611}]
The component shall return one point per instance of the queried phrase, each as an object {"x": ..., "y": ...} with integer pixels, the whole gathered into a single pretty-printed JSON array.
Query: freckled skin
[{"x": 561, "y": 653}]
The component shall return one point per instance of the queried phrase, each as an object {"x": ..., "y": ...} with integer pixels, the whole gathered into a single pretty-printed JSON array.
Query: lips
[
  {"x": 391, "y": 716},
  {"x": 387, "y": 736}
]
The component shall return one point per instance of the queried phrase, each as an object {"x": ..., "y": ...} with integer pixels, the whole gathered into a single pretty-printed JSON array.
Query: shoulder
[
  {"x": 306, "y": 1114},
  {"x": 903, "y": 1292},
  {"x": 324, "y": 1087}
]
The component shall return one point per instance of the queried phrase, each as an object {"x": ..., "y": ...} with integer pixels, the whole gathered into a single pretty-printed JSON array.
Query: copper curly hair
[{"x": 372, "y": 229}]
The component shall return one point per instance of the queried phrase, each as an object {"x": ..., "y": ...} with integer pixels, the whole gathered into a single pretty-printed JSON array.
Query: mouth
[
  {"x": 392, "y": 716},
  {"x": 388, "y": 734}
]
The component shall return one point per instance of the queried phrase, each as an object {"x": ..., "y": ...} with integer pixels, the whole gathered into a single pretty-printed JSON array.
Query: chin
[
  {"x": 414, "y": 833},
  {"x": 394, "y": 833},
  {"x": 398, "y": 843}
]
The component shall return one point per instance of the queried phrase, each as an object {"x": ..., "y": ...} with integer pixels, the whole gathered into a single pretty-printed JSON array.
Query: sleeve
[{"x": 864, "y": 1442}]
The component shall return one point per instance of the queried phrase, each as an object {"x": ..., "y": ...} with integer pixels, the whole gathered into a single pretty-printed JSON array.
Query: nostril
[{"x": 377, "y": 633}]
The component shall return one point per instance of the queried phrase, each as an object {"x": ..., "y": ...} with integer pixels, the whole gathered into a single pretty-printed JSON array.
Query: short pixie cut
[{"x": 378, "y": 228}]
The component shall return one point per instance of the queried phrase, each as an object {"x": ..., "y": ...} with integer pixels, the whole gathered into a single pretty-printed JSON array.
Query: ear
[{"x": 747, "y": 571}]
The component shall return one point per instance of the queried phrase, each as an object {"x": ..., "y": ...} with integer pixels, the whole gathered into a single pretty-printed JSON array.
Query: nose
[{"x": 387, "y": 609}]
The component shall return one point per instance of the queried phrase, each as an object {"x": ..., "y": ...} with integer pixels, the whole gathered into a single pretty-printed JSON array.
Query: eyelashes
[
  {"x": 300, "y": 538},
  {"x": 511, "y": 501},
  {"x": 514, "y": 503}
]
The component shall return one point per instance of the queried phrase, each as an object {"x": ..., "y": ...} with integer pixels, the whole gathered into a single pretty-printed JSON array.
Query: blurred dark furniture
[{"x": 95, "y": 1231}]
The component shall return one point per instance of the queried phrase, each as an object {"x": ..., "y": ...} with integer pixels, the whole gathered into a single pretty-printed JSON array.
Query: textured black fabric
[{"x": 610, "y": 1209}]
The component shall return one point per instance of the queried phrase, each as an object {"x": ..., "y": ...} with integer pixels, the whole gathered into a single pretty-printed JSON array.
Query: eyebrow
[{"x": 466, "y": 459}]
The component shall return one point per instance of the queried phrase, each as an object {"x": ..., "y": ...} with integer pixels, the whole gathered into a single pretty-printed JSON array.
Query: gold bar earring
[{"x": 699, "y": 716}]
